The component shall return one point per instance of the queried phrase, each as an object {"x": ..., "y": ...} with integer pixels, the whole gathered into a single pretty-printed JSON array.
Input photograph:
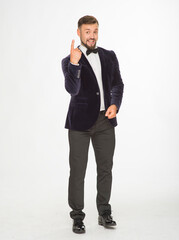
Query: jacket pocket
[{"x": 79, "y": 104}]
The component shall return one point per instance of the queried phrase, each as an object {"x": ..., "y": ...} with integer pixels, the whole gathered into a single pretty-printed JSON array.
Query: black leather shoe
[
  {"x": 78, "y": 226},
  {"x": 106, "y": 220}
]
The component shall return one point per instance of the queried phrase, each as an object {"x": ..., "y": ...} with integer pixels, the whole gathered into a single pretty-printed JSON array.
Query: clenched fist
[
  {"x": 75, "y": 53},
  {"x": 111, "y": 111}
]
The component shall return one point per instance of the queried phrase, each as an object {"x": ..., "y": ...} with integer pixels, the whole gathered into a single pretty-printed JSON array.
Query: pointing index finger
[{"x": 72, "y": 45}]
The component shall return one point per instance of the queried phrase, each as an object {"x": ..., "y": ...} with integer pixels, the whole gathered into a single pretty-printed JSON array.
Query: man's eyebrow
[{"x": 90, "y": 29}]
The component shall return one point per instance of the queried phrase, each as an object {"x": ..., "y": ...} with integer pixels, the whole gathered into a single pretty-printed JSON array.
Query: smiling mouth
[{"x": 91, "y": 41}]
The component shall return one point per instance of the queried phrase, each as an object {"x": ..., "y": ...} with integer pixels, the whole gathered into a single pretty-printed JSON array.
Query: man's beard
[{"x": 88, "y": 47}]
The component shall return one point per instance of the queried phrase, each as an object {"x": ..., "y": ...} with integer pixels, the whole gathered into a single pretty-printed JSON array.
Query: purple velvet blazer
[{"x": 81, "y": 83}]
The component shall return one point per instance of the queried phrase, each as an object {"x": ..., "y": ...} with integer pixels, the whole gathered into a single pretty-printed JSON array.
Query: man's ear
[{"x": 78, "y": 32}]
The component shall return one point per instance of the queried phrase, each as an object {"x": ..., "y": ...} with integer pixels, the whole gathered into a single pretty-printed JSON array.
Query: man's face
[{"x": 88, "y": 34}]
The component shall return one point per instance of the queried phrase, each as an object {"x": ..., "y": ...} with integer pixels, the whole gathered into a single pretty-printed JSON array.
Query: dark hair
[{"x": 87, "y": 20}]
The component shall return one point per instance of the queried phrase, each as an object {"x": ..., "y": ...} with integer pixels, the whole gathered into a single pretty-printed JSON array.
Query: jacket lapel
[
  {"x": 103, "y": 66},
  {"x": 84, "y": 61}
]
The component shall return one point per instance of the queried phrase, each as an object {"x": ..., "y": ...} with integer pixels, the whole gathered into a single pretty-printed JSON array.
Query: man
[{"x": 93, "y": 79}]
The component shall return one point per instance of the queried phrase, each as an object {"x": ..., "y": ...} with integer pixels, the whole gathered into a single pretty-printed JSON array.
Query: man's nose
[{"x": 92, "y": 35}]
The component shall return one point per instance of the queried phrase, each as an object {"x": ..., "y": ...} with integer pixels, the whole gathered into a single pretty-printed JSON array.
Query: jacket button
[{"x": 97, "y": 93}]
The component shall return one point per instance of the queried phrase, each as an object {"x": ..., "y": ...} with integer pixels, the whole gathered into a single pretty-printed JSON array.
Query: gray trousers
[{"x": 102, "y": 136}]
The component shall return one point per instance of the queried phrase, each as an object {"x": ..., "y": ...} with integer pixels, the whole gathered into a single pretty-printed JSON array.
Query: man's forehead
[{"x": 90, "y": 26}]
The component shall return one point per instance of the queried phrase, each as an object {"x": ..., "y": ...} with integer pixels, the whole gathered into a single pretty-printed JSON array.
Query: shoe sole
[{"x": 78, "y": 231}]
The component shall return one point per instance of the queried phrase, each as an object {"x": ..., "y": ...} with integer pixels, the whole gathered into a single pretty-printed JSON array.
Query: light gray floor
[{"x": 144, "y": 220}]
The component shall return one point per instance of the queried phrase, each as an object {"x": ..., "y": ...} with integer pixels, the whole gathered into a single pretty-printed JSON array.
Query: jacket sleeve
[
  {"x": 117, "y": 85},
  {"x": 72, "y": 74}
]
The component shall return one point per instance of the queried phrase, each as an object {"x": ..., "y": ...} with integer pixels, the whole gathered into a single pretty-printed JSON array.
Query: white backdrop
[{"x": 34, "y": 37}]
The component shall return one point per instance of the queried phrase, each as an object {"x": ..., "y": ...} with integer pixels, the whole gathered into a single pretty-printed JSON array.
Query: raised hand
[{"x": 75, "y": 53}]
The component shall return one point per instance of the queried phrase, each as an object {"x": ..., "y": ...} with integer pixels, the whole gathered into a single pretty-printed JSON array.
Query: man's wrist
[
  {"x": 114, "y": 106},
  {"x": 76, "y": 64}
]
